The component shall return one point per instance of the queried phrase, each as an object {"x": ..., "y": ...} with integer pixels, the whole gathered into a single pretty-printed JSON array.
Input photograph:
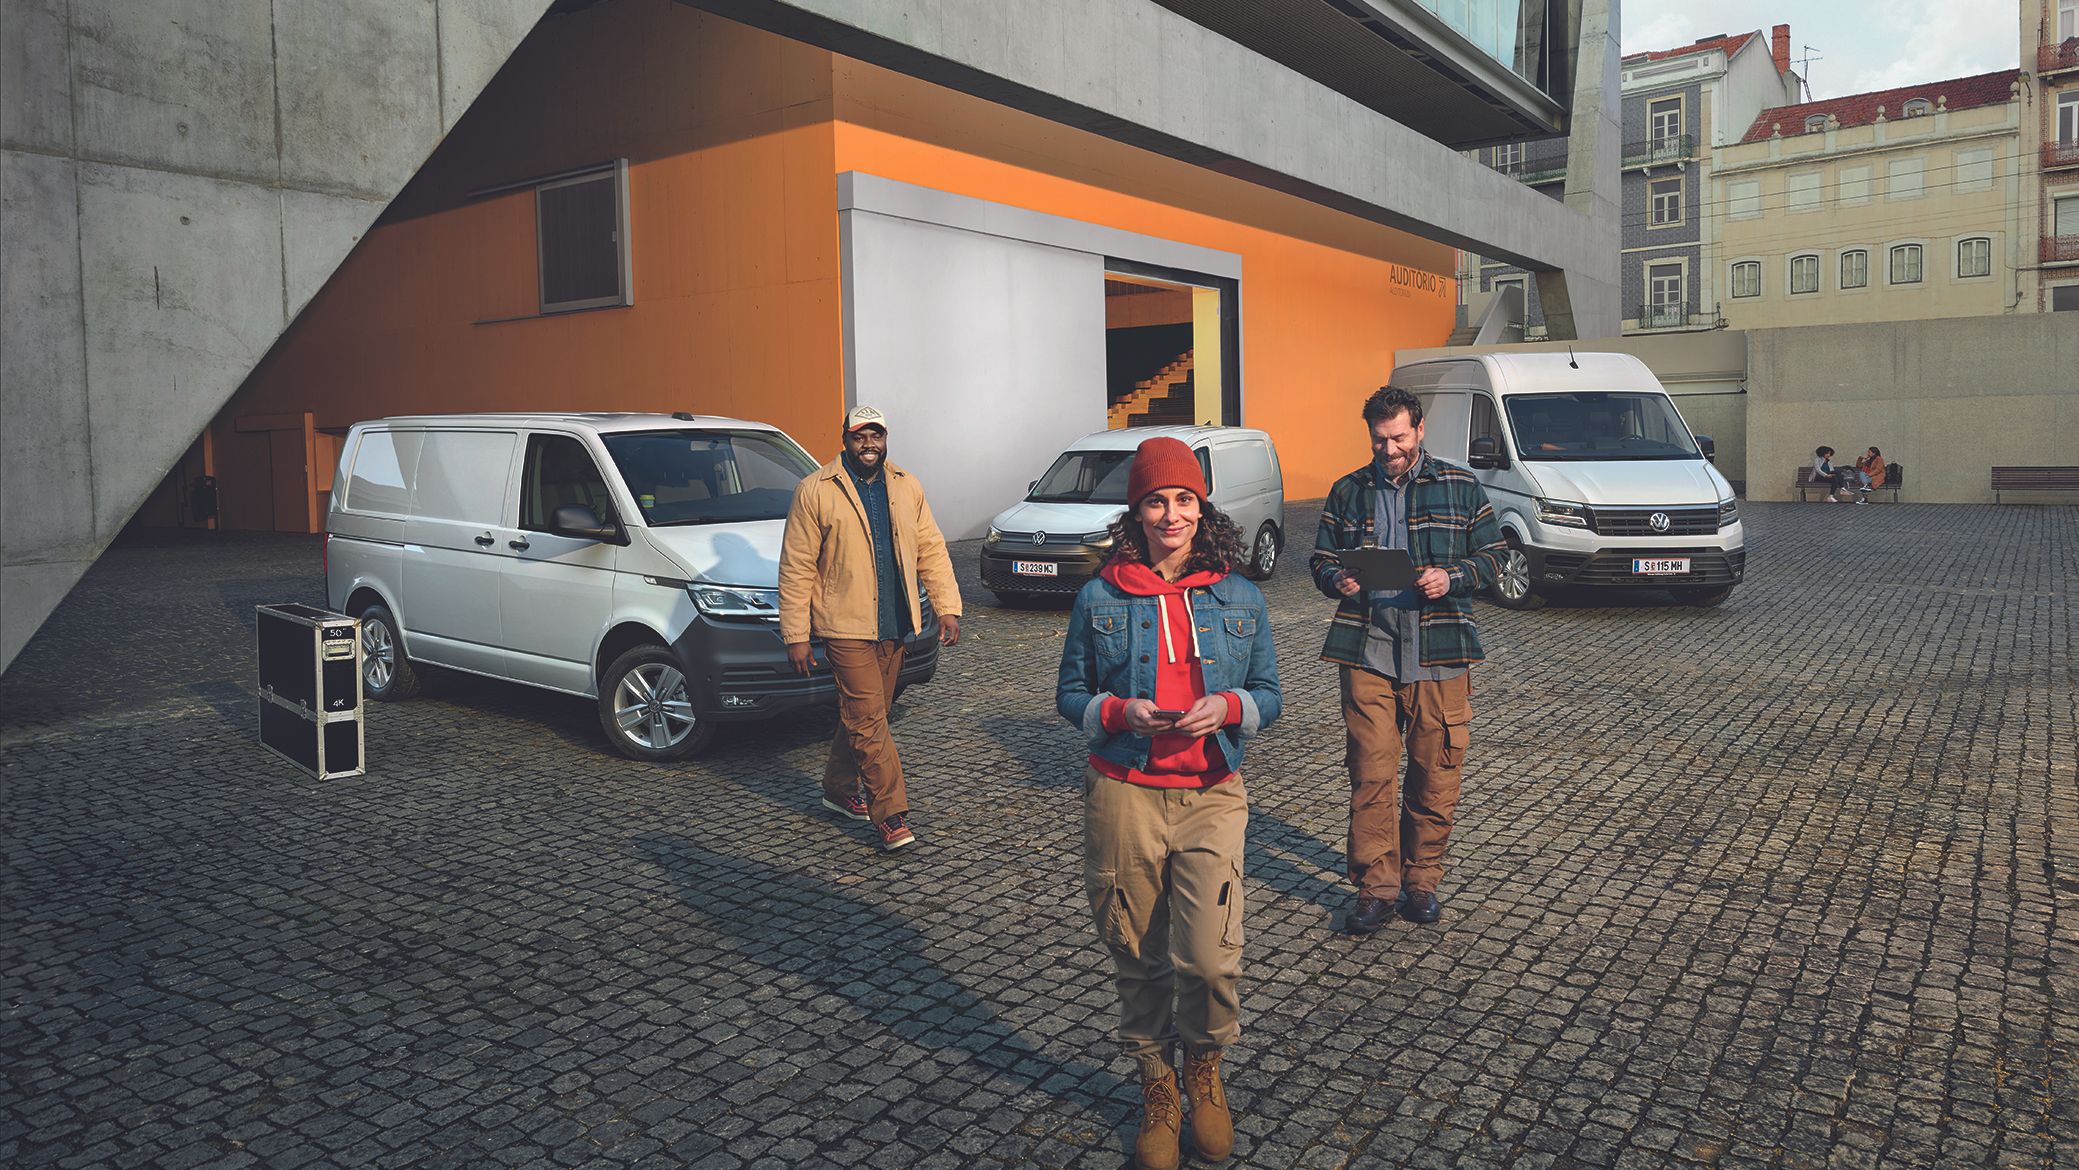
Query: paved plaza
[{"x": 1793, "y": 882}]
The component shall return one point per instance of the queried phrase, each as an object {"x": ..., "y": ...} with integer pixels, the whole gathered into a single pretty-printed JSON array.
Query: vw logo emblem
[
  {"x": 1039, "y": 538},
  {"x": 1658, "y": 521}
]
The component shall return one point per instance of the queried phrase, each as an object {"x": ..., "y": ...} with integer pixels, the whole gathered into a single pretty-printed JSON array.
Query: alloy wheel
[
  {"x": 378, "y": 656},
  {"x": 651, "y": 707}
]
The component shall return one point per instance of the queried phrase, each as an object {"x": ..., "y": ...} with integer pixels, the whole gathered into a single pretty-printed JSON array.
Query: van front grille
[{"x": 1639, "y": 521}]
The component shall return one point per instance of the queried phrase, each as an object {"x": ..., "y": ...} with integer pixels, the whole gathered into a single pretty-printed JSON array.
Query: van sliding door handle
[
  {"x": 485, "y": 540},
  {"x": 516, "y": 545}
]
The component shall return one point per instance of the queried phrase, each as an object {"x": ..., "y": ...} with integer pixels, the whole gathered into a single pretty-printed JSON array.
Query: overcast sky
[{"x": 1857, "y": 45}]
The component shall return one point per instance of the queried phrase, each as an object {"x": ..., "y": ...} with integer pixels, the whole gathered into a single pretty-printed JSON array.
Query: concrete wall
[
  {"x": 179, "y": 178},
  {"x": 1949, "y": 399}
]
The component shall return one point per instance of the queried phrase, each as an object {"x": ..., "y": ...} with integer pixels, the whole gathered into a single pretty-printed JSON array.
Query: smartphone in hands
[{"x": 1172, "y": 716}]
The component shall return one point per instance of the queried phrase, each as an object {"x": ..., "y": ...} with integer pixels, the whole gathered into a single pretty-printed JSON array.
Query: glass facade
[{"x": 1510, "y": 31}]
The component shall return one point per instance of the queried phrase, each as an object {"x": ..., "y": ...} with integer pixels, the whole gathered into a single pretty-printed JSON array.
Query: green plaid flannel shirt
[{"x": 1450, "y": 526}]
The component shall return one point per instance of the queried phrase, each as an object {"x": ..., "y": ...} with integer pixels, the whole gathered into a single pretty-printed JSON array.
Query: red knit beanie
[{"x": 1163, "y": 462}]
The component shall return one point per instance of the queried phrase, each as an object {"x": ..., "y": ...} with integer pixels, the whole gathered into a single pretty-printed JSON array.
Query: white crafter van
[
  {"x": 1056, "y": 538},
  {"x": 1593, "y": 473},
  {"x": 628, "y": 558}
]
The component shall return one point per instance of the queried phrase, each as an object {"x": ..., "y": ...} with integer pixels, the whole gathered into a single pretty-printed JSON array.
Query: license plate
[
  {"x": 1663, "y": 567},
  {"x": 1036, "y": 568}
]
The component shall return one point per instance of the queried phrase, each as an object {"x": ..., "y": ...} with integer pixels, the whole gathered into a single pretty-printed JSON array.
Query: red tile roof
[
  {"x": 1860, "y": 109},
  {"x": 1731, "y": 45}
]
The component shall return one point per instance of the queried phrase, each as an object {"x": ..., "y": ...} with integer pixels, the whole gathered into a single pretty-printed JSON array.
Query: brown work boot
[
  {"x": 1162, "y": 1117},
  {"x": 1212, "y": 1126}
]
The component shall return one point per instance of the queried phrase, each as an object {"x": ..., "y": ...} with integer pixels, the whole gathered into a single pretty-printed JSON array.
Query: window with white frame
[
  {"x": 1743, "y": 199},
  {"x": 1855, "y": 268},
  {"x": 1804, "y": 273},
  {"x": 2067, "y": 19},
  {"x": 1664, "y": 122},
  {"x": 1905, "y": 263},
  {"x": 1916, "y": 107},
  {"x": 1815, "y": 123},
  {"x": 1509, "y": 157},
  {"x": 2064, "y": 216},
  {"x": 1664, "y": 202},
  {"x": 1746, "y": 279},
  {"x": 1974, "y": 169},
  {"x": 2068, "y": 118},
  {"x": 1905, "y": 178},
  {"x": 1801, "y": 191},
  {"x": 1974, "y": 256},
  {"x": 1854, "y": 186},
  {"x": 581, "y": 234},
  {"x": 1664, "y": 295}
]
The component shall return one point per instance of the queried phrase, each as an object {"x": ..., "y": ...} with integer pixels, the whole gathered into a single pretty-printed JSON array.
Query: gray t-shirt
[{"x": 1393, "y": 645}]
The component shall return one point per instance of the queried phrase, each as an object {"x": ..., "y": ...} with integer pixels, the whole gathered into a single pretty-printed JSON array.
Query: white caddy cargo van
[
  {"x": 629, "y": 558},
  {"x": 1056, "y": 539},
  {"x": 1593, "y": 473}
]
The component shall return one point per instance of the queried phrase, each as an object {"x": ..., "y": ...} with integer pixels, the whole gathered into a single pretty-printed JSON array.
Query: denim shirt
[
  {"x": 1111, "y": 649},
  {"x": 873, "y": 493}
]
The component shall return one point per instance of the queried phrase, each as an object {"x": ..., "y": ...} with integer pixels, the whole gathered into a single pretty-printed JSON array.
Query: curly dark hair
[{"x": 1217, "y": 547}]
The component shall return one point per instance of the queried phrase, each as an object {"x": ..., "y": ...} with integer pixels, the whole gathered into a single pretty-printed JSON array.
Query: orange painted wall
[
  {"x": 1322, "y": 315},
  {"x": 735, "y": 138},
  {"x": 733, "y": 237}
]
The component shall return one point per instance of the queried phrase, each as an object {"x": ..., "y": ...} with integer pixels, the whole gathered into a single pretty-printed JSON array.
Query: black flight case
[{"x": 310, "y": 688}]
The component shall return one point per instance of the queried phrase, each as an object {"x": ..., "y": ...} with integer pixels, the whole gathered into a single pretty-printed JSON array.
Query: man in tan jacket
[{"x": 860, "y": 539}]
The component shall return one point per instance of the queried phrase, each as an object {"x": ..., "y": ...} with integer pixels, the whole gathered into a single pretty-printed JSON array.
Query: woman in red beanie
[{"x": 1168, "y": 669}]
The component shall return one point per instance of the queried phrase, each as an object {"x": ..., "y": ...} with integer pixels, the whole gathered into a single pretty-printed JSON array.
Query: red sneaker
[
  {"x": 895, "y": 832},
  {"x": 853, "y": 806}
]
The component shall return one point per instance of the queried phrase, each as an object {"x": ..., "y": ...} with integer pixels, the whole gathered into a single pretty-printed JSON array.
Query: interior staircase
[{"x": 1149, "y": 393}]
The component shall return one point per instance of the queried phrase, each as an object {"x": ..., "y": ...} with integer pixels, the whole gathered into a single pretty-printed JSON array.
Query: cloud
[{"x": 1932, "y": 40}]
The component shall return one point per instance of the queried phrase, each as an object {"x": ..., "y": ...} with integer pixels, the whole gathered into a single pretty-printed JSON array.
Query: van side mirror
[
  {"x": 1486, "y": 454},
  {"x": 1032, "y": 487},
  {"x": 1709, "y": 448},
  {"x": 582, "y": 522}
]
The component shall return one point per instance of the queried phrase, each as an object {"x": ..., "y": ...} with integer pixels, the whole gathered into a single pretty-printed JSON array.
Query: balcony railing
[
  {"x": 1533, "y": 170},
  {"x": 1676, "y": 148},
  {"x": 1676, "y": 317},
  {"x": 2060, "y": 249},
  {"x": 2051, "y": 58},
  {"x": 2058, "y": 155}
]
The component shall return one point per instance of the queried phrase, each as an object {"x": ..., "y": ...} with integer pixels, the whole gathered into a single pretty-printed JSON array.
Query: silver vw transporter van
[
  {"x": 628, "y": 558},
  {"x": 1593, "y": 473}
]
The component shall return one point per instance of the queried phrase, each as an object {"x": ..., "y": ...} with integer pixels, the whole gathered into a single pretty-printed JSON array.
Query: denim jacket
[{"x": 1112, "y": 643}]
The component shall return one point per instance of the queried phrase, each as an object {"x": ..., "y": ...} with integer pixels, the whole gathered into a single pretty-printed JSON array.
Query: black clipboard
[{"x": 1380, "y": 568}]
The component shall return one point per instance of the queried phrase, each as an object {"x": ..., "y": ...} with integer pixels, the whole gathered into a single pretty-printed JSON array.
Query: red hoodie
[{"x": 1174, "y": 761}]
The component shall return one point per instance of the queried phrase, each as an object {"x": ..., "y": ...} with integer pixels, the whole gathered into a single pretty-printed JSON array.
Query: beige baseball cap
[{"x": 864, "y": 416}]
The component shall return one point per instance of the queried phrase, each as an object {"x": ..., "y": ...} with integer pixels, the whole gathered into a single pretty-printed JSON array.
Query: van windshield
[
  {"x": 1599, "y": 426},
  {"x": 708, "y": 477},
  {"x": 1085, "y": 477}
]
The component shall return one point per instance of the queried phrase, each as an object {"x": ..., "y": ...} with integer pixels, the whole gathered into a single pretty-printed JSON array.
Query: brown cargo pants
[
  {"x": 862, "y": 754},
  {"x": 1396, "y": 841},
  {"x": 1163, "y": 868}
]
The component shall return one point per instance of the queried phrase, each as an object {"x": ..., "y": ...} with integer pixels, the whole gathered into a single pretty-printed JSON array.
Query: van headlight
[
  {"x": 734, "y": 604},
  {"x": 1728, "y": 512},
  {"x": 1562, "y": 514},
  {"x": 1096, "y": 539},
  {"x": 995, "y": 536}
]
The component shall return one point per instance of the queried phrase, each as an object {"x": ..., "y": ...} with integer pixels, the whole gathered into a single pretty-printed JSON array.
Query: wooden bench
[
  {"x": 2034, "y": 479},
  {"x": 1806, "y": 481}
]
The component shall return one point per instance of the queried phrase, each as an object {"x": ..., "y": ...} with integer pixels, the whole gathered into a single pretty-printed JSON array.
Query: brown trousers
[
  {"x": 1163, "y": 868},
  {"x": 862, "y": 754},
  {"x": 1396, "y": 841}
]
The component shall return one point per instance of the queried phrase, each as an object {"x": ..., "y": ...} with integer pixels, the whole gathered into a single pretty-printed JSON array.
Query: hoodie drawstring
[{"x": 1169, "y": 640}]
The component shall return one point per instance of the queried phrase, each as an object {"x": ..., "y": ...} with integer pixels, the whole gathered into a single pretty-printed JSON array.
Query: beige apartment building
[
  {"x": 2050, "y": 138},
  {"x": 1900, "y": 204}
]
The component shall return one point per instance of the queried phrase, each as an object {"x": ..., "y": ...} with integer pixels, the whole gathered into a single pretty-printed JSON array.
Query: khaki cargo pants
[
  {"x": 862, "y": 753},
  {"x": 1163, "y": 867},
  {"x": 1397, "y": 839}
]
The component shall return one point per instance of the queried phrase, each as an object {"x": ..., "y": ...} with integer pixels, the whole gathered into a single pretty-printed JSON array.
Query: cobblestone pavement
[{"x": 1792, "y": 882}]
